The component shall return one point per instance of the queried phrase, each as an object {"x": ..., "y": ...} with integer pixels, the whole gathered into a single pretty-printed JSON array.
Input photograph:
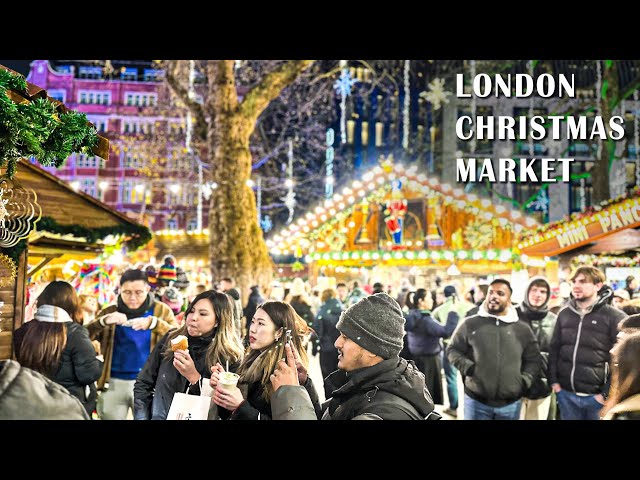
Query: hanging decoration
[
  {"x": 540, "y": 203},
  {"x": 364, "y": 231},
  {"x": 396, "y": 211},
  {"x": 8, "y": 271},
  {"x": 290, "y": 198},
  {"x": 329, "y": 180},
  {"x": 343, "y": 86},
  {"x": 478, "y": 234},
  {"x": 266, "y": 224},
  {"x": 97, "y": 280},
  {"x": 20, "y": 212},
  {"x": 433, "y": 236},
  {"x": 436, "y": 94},
  {"x": 407, "y": 103},
  {"x": 531, "y": 147},
  {"x": 583, "y": 195}
]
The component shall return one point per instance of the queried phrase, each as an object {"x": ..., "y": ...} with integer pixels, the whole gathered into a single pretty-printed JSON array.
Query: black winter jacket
[
  {"x": 79, "y": 368},
  {"x": 579, "y": 358},
  {"x": 497, "y": 359},
  {"x": 394, "y": 389}
]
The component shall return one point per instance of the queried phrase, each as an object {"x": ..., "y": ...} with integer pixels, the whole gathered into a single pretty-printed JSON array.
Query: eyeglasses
[{"x": 137, "y": 293}]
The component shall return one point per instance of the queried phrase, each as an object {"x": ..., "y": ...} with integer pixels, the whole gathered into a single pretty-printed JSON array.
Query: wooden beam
[{"x": 42, "y": 263}]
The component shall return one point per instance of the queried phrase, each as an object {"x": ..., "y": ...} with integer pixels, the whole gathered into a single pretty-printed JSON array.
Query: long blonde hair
[
  {"x": 258, "y": 366},
  {"x": 225, "y": 344}
]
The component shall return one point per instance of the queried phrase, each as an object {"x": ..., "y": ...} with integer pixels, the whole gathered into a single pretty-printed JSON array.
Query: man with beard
[
  {"x": 127, "y": 333},
  {"x": 534, "y": 311},
  {"x": 580, "y": 358},
  {"x": 372, "y": 383},
  {"x": 497, "y": 355}
]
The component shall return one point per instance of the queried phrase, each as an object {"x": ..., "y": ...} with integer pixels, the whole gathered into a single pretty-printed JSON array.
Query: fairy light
[{"x": 407, "y": 102}]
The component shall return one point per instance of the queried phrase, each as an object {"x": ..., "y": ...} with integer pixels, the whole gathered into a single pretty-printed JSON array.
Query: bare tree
[{"x": 225, "y": 124}]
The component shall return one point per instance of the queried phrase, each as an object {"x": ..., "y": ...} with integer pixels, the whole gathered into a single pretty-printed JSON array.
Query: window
[
  {"x": 88, "y": 186},
  {"x": 152, "y": 75},
  {"x": 85, "y": 161},
  {"x": 90, "y": 72},
  {"x": 101, "y": 123},
  {"x": 59, "y": 95},
  {"x": 138, "y": 126},
  {"x": 94, "y": 97},
  {"x": 140, "y": 99},
  {"x": 126, "y": 191},
  {"x": 129, "y": 74},
  {"x": 192, "y": 225},
  {"x": 172, "y": 224}
]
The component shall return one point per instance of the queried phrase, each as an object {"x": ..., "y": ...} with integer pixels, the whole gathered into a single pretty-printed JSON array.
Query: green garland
[
  {"x": 37, "y": 129},
  {"x": 137, "y": 235}
]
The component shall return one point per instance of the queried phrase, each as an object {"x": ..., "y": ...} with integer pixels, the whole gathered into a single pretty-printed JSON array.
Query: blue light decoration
[
  {"x": 540, "y": 203},
  {"x": 329, "y": 180},
  {"x": 266, "y": 224},
  {"x": 343, "y": 86}
]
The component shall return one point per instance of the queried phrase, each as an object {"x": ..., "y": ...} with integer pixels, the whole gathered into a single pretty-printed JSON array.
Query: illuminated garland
[
  {"x": 478, "y": 234},
  {"x": 598, "y": 260}
]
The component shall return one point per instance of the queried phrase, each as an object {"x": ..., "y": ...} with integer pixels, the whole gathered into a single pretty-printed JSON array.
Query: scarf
[
  {"x": 52, "y": 314},
  {"x": 139, "y": 312}
]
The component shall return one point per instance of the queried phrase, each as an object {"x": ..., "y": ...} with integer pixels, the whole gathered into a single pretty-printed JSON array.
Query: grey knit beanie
[{"x": 376, "y": 324}]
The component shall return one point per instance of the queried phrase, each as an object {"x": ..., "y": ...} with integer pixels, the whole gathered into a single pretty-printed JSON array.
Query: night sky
[{"x": 20, "y": 66}]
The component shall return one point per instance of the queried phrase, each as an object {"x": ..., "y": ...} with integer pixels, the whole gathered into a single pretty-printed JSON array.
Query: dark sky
[{"x": 20, "y": 66}]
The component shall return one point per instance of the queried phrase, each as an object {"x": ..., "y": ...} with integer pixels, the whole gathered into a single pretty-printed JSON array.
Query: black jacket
[
  {"x": 579, "y": 358},
  {"x": 542, "y": 322},
  {"x": 394, "y": 389},
  {"x": 79, "y": 368},
  {"x": 498, "y": 359},
  {"x": 159, "y": 380}
]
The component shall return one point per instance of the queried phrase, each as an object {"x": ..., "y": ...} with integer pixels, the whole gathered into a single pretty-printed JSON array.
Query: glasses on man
[{"x": 130, "y": 293}]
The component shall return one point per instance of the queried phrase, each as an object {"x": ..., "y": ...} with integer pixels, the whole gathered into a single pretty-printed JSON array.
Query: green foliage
[
  {"x": 36, "y": 129},
  {"x": 136, "y": 236}
]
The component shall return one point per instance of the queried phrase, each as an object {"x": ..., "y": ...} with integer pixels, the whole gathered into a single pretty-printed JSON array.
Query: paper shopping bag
[{"x": 189, "y": 407}]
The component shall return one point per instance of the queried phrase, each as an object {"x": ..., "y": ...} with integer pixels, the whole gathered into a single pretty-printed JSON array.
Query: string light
[{"x": 407, "y": 102}]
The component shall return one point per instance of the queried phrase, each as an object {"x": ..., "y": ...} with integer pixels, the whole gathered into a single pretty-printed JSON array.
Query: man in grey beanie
[{"x": 372, "y": 382}]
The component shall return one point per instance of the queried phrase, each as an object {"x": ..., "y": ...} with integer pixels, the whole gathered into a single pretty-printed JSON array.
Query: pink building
[{"x": 148, "y": 176}]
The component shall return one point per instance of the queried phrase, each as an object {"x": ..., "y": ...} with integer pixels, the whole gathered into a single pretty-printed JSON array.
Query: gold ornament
[
  {"x": 478, "y": 234},
  {"x": 8, "y": 271},
  {"x": 21, "y": 212}
]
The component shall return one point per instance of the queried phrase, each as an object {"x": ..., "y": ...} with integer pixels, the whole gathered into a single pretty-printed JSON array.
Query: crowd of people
[{"x": 381, "y": 356}]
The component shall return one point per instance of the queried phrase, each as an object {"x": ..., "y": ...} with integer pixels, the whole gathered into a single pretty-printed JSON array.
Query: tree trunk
[
  {"x": 237, "y": 248},
  {"x": 600, "y": 171}
]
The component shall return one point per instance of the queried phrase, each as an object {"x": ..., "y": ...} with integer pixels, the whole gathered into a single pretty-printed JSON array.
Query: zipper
[
  {"x": 575, "y": 354},
  {"x": 495, "y": 395}
]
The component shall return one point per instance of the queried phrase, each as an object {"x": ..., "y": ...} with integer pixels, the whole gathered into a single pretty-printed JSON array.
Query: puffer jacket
[
  {"x": 542, "y": 322},
  {"x": 28, "y": 395},
  {"x": 579, "y": 356},
  {"x": 498, "y": 357}
]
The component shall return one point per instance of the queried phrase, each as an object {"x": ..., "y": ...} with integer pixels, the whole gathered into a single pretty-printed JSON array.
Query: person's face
[
  {"x": 584, "y": 289},
  {"x": 201, "y": 320},
  {"x": 91, "y": 305},
  {"x": 634, "y": 284},
  {"x": 440, "y": 298},
  {"x": 262, "y": 332},
  {"x": 618, "y": 302},
  {"x": 224, "y": 286},
  {"x": 351, "y": 356},
  {"x": 134, "y": 293},
  {"x": 342, "y": 292},
  {"x": 498, "y": 298},
  {"x": 538, "y": 296}
]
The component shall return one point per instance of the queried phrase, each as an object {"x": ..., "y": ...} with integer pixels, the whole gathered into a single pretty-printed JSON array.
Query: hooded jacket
[
  {"x": 27, "y": 395},
  {"x": 498, "y": 357},
  {"x": 393, "y": 389},
  {"x": 541, "y": 321},
  {"x": 579, "y": 358}
]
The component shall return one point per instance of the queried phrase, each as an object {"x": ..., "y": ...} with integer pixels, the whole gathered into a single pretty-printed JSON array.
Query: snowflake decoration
[
  {"x": 436, "y": 94},
  {"x": 541, "y": 202},
  {"x": 344, "y": 84},
  {"x": 266, "y": 224}
]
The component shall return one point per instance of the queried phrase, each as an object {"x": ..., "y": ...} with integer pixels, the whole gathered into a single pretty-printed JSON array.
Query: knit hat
[
  {"x": 172, "y": 298},
  {"x": 376, "y": 324}
]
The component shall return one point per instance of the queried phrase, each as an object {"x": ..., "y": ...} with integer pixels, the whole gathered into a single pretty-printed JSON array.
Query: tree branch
[
  {"x": 200, "y": 123},
  {"x": 259, "y": 97}
]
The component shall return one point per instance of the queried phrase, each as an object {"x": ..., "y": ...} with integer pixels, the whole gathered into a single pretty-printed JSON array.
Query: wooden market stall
[{"x": 395, "y": 218}]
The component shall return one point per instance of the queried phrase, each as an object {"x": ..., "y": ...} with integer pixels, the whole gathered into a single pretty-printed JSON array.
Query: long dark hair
[
  {"x": 414, "y": 297},
  {"x": 283, "y": 316},
  {"x": 625, "y": 378},
  {"x": 225, "y": 344},
  {"x": 44, "y": 342}
]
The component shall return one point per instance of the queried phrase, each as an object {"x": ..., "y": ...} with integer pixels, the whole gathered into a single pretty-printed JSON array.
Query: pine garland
[
  {"x": 37, "y": 129},
  {"x": 137, "y": 236}
]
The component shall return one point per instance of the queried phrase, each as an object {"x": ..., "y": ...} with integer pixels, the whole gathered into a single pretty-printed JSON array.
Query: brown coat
[{"x": 106, "y": 334}]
